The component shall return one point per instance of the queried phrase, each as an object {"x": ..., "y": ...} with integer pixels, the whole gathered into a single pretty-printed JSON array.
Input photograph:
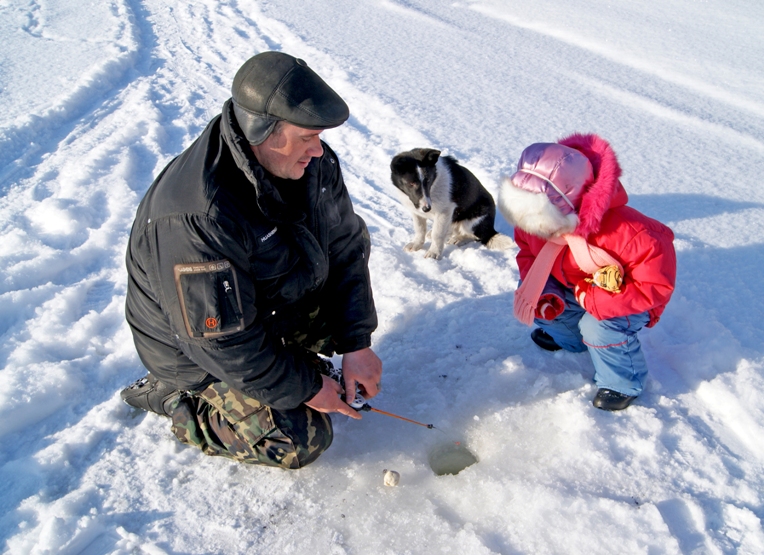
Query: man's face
[{"x": 288, "y": 152}]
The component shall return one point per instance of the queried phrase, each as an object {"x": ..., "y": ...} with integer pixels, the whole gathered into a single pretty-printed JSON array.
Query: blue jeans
[{"x": 619, "y": 363}]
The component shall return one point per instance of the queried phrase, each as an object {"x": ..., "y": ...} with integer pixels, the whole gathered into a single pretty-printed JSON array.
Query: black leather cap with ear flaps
[{"x": 274, "y": 86}]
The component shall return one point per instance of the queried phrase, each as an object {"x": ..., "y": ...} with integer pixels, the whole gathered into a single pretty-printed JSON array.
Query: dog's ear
[
  {"x": 397, "y": 164},
  {"x": 431, "y": 156}
]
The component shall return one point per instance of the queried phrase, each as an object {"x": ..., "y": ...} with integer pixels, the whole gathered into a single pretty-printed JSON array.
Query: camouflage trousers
[{"x": 225, "y": 422}]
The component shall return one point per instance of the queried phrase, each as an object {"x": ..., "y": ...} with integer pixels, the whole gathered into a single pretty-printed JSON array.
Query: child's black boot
[
  {"x": 607, "y": 399},
  {"x": 544, "y": 340}
]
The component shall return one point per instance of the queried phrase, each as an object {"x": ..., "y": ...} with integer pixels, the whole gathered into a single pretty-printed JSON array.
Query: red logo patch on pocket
[{"x": 211, "y": 323}]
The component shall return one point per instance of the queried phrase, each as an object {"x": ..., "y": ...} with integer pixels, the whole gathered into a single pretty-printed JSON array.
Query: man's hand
[
  {"x": 328, "y": 399},
  {"x": 363, "y": 368}
]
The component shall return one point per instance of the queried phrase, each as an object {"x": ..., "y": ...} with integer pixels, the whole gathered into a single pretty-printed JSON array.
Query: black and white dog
[{"x": 437, "y": 188}]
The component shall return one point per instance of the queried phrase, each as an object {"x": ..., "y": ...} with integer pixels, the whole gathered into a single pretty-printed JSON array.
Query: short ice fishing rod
[
  {"x": 359, "y": 402},
  {"x": 366, "y": 406}
]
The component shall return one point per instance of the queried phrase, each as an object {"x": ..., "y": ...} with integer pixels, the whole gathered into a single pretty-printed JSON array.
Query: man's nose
[{"x": 315, "y": 149}]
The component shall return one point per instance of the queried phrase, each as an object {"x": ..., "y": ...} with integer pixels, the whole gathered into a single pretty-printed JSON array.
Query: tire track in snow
[
  {"x": 625, "y": 58},
  {"x": 24, "y": 143},
  {"x": 633, "y": 100}
]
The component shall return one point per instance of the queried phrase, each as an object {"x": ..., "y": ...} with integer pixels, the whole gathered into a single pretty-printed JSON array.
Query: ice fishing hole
[{"x": 451, "y": 458}]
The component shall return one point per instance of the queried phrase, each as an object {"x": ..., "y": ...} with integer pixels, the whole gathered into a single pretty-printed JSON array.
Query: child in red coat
[{"x": 593, "y": 270}]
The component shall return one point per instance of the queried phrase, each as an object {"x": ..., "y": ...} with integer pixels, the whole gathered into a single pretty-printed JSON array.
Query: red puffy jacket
[{"x": 641, "y": 244}]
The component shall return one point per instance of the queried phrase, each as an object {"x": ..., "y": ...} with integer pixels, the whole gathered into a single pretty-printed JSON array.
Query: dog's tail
[{"x": 500, "y": 242}]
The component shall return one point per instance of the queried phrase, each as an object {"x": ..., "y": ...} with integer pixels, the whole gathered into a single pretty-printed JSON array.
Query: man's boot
[{"x": 151, "y": 395}]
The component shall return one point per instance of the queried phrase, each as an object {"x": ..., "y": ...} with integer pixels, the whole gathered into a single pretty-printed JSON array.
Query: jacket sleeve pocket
[{"x": 209, "y": 296}]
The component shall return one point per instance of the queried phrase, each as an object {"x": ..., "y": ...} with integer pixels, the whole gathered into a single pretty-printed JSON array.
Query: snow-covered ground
[{"x": 97, "y": 97}]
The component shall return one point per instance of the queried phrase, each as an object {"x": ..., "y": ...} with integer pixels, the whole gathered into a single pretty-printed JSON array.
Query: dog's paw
[
  {"x": 432, "y": 254},
  {"x": 459, "y": 240},
  {"x": 413, "y": 246}
]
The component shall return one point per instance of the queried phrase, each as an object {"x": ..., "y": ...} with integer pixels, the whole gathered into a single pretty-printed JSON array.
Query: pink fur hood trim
[{"x": 605, "y": 191}]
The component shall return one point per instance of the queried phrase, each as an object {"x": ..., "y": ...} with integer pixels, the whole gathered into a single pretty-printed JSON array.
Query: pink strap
[{"x": 588, "y": 257}]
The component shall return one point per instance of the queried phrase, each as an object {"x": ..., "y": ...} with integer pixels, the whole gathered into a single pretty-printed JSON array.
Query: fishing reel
[{"x": 359, "y": 402}]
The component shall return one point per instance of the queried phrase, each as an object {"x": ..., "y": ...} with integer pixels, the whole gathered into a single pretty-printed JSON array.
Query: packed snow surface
[{"x": 98, "y": 96}]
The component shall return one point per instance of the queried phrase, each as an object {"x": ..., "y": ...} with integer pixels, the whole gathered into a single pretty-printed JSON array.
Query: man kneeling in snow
[{"x": 245, "y": 260}]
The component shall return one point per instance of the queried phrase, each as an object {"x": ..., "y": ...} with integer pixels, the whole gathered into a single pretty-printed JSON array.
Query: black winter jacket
[{"x": 220, "y": 268}]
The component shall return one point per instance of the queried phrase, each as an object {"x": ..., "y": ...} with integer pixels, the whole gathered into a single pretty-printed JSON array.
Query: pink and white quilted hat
[{"x": 543, "y": 196}]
